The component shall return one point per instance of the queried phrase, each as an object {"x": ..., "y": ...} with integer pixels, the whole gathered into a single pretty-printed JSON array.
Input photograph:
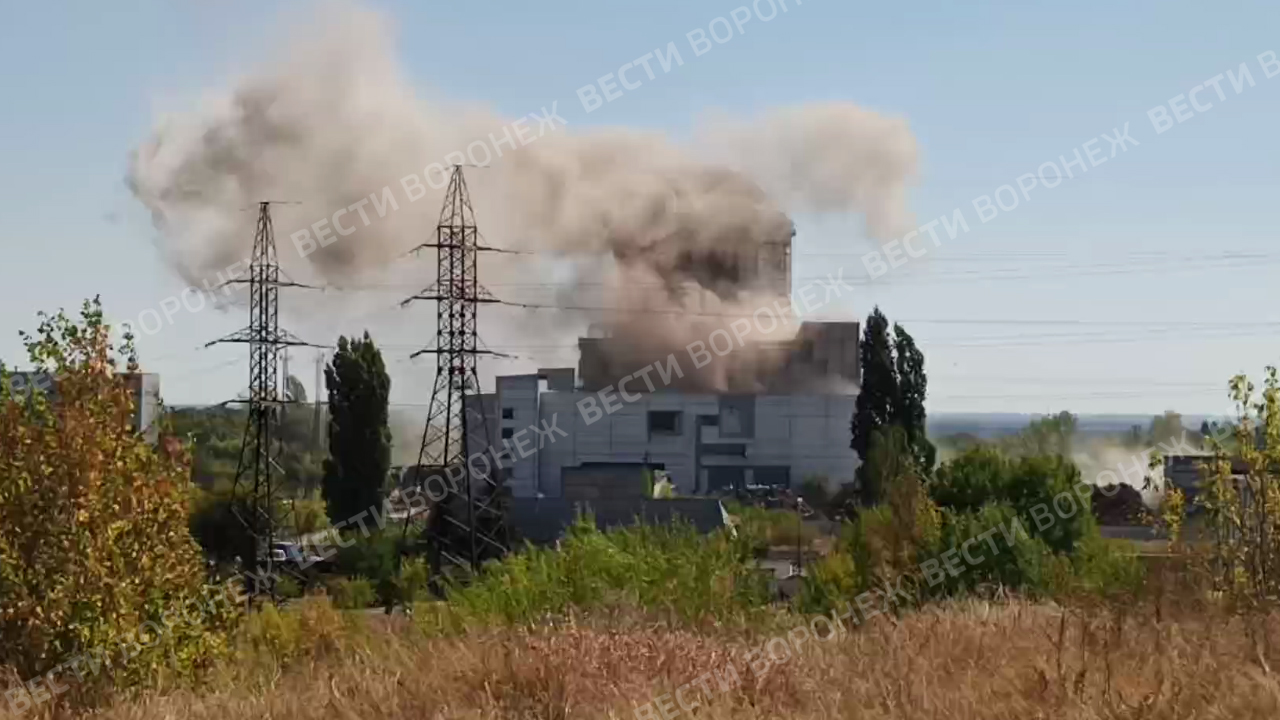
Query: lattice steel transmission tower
[
  {"x": 467, "y": 527},
  {"x": 255, "y": 498}
]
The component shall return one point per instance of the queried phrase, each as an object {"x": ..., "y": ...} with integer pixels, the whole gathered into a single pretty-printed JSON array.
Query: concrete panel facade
[{"x": 808, "y": 435}]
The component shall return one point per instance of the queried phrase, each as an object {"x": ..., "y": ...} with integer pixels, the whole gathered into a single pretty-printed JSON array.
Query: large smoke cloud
[{"x": 331, "y": 120}]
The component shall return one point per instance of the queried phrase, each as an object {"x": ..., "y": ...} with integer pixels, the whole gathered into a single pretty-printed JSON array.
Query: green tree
[
  {"x": 215, "y": 522},
  {"x": 892, "y": 393},
  {"x": 888, "y": 458},
  {"x": 877, "y": 396},
  {"x": 1014, "y": 565},
  {"x": 356, "y": 470},
  {"x": 974, "y": 478},
  {"x": 1052, "y": 435},
  {"x": 909, "y": 411},
  {"x": 1241, "y": 496},
  {"x": 214, "y": 435},
  {"x": 94, "y": 550},
  {"x": 1031, "y": 485}
]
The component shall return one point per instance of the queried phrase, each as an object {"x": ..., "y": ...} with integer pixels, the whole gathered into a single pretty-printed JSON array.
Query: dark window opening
[
  {"x": 730, "y": 449},
  {"x": 724, "y": 479},
  {"x": 508, "y": 413},
  {"x": 772, "y": 476},
  {"x": 664, "y": 422},
  {"x": 507, "y": 433}
]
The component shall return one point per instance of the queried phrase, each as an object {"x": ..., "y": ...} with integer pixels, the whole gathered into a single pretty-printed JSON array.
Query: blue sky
[{"x": 1141, "y": 285}]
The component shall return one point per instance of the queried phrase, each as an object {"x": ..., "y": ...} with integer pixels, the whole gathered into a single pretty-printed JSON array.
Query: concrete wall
[
  {"x": 146, "y": 394},
  {"x": 599, "y": 481},
  {"x": 482, "y": 421},
  {"x": 622, "y": 437},
  {"x": 807, "y": 434},
  {"x": 825, "y": 350},
  {"x": 518, "y": 398}
]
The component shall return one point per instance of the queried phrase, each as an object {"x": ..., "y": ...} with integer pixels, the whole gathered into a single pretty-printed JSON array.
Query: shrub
[
  {"x": 983, "y": 475},
  {"x": 884, "y": 543},
  {"x": 309, "y": 515},
  {"x": 372, "y": 556},
  {"x": 352, "y": 593},
  {"x": 974, "y": 478},
  {"x": 763, "y": 528},
  {"x": 1106, "y": 568},
  {"x": 670, "y": 571},
  {"x": 1039, "y": 482},
  {"x": 945, "y": 552},
  {"x": 214, "y": 524},
  {"x": 830, "y": 580},
  {"x": 997, "y": 561},
  {"x": 994, "y": 546},
  {"x": 274, "y": 637},
  {"x": 376, "y": 557},
  {"x": 412, "y": 583},
  {"x": 288, "y": 588},
  {"x": 894, "y": 538},
  {"x": 1242, "y": 502},
  {"x": 95, "y": 555}
]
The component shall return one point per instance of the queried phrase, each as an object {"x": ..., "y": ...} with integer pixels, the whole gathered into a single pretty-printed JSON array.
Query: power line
[
  {"x": 1141, "y": 329},
  {"x": 952, "y": 276}
]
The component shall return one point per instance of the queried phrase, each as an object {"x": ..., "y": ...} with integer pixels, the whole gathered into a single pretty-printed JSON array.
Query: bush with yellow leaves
[{"x": 101, "y": 584}]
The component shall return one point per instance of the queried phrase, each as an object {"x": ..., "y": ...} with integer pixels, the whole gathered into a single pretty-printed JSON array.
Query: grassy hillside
[{"x": 960, "y": 660}]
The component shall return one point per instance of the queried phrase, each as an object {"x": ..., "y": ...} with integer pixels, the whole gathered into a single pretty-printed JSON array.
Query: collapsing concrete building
[
  {"x": 821, "y": 358},
  {"x": 771, "y": 413},
  {"x": 611, "y": 426}
]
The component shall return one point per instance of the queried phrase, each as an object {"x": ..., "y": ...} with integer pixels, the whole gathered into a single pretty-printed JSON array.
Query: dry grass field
[{"x": 963, "y": 660}]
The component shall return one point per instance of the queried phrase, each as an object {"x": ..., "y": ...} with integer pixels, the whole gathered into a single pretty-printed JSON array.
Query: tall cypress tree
[
  {"x": 909, "y": 410},
  {"x": 359, "y": 436},
  {"x": 892, "y": 394},
  {"x": 877, "y": 395}
]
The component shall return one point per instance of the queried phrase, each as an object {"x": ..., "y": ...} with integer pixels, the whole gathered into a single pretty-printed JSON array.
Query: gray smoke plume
[{"x": 619, "y": 219}]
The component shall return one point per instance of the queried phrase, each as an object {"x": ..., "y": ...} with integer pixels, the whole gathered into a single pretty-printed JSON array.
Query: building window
[
  {"x": 731, "y": 424},
  {"x": 737, "y": 416},
  {"x": 665, "y": 422},
  {"x": 508, "y": 413},
  {"x": 507, "y": 433}
]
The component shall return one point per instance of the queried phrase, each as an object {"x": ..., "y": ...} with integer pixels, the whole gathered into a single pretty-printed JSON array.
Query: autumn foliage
[{"x": 95, "y": 558}]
